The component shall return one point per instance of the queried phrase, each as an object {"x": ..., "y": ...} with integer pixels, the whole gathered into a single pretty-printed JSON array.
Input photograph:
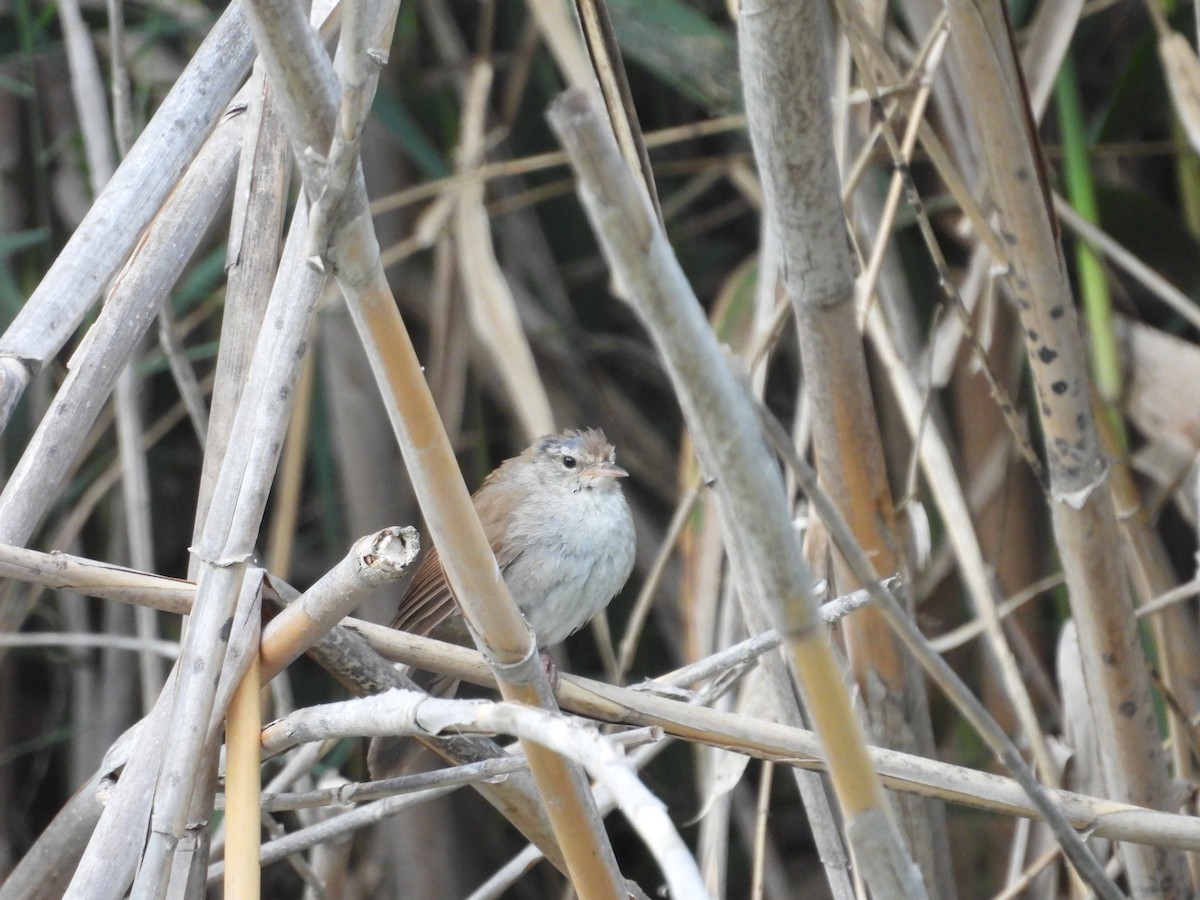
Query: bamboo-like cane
[
  {"x": 729, "y": 443},
  {"x": 784, "y": 77},
  {"x": 1081, "y": 508},
  {"x": 226, "y": 543},
  {"x": 165, "y": 249},
  {"x": 243, "y": 785},
  {"x": 308, "y": 92},
  {"x": 131, "y": 198}
]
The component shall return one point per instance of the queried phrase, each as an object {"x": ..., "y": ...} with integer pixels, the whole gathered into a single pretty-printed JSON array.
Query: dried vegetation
[{"x": 275, "y": 286}]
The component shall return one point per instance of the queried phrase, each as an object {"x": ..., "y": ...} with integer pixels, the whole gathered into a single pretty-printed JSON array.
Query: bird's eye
[{"x": 569, "y": 462}]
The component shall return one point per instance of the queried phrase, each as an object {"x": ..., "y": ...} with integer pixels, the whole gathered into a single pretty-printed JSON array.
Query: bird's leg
[{"x": 550, "y": 667}]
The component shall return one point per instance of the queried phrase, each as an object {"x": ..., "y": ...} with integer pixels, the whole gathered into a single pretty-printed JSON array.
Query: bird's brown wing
[{"x": 429, "y": 601}]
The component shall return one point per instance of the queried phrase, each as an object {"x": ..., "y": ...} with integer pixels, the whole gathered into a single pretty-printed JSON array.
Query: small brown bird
[
  {"x": 563, "y": 537},
  {"x": 562, "y": 534}
]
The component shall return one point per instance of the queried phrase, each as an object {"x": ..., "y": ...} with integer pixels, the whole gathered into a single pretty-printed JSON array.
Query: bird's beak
[{"x": 605, "y": 470}]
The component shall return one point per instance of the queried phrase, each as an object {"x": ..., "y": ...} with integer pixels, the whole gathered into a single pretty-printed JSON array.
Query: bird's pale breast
[{"x": 581, "y": 558}]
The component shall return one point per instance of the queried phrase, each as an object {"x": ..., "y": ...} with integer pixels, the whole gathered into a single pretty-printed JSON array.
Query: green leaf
[
  {"x": 682, "y": 48},
  {"x": 22, "y": 240},
  {"x": 416, "y": 144},
  {"x": 204, "y": 276}
]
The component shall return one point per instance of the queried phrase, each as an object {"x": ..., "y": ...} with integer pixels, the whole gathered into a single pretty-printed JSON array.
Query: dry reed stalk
[
  {"x": 1175, "y": 633},
  {"x": 343, "y": 654},
  {"x": 781, "y": 47},
  {"x": 243, "y": 784},
  {"x": 799, "y": 747},
  {"x": 87, "y": 88},
  {"x": 757, "y": 526},
  {"x": 557, "y": 342},
  {"x": 227, "y": 542},
  {"x": 163, "y": 251},
  {"x": 374, "y": 560},
  {"x": 1080, "y": 503},
  {"x": 932, "y": 449},
  {"x": 493, "y": 308},
  {"x": 308, "y": 92},
  {"x": 414, "y": 712},
  {"x": 252, "y": 258},
  {"x": 110, "y": 859},
  {"x": 131, "y": 199},
  {"x": 348, "y": 658}
]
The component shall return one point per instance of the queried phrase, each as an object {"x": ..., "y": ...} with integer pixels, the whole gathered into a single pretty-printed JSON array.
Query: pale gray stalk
[
  {"x": 227, "y": 543},
  {"x": 111, "y": 857},
  {"x": 132, "y": 197},
  {"x": 329, "y": 861},
  {"x": 972, "y": 629},
  {"x": 786, "y": 79},
  {"x": 256, "y": 226},
  {"x": 502, "y": 880},
  {"x": 165, "y": 249},
  {"x": 728, "y": 664},
  {"x": 560, "y": 28},
  {"x": 347, "y": 793},
  {"x": 1185, "y": 591},
  {"x": 87, "y": 87},
  {"x": 659, "y": 704},
  {"x": 122, "y": 108},
  {"x": 1096, "y": 816},
  {"x": 135, "y": 485},
  {"x": 350, "y": 793},
  {"x": 174, "y": 595},
  {"x": 754, "y": 514},
  {"x": 762, "y": 845},
  {"x": 815, "y": 793},
  {"x": 936, "y": 460},
  {"x": 960, "y": 785},
  {"x": 493, "y": 307},
  {"x": 348, "y": 658},
  {"x": 181, "y": 370},
  {"x": 96, "y": 579},
  {"x": 373, "y": 561},
  {"x": 73, "y": 521},
  {"x": 938, "y": 669},
  {"x": 933, "y": 452},
  {"x": 156, "y": 648},
  {"x": 1047, "y": 43},
  {"x": 1085, "y": 526},
  {"x": 342, "y": 652},
  {"x": 135, "y": 488},
  {"x": 84, "y": 693},
  {"x": 254, "y": 242},
  {"x": 923, "y": 16},
  {"x": 413, "y": 712},
  {"x": 297, "y": 767},
  {"x": 1042, "y": 58},
  {"x": 340, "y": 826},
  {"x": 359, "y": 72},
  {"x": 301, "y": 72},
  {"x": 110, "y": 860}
]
